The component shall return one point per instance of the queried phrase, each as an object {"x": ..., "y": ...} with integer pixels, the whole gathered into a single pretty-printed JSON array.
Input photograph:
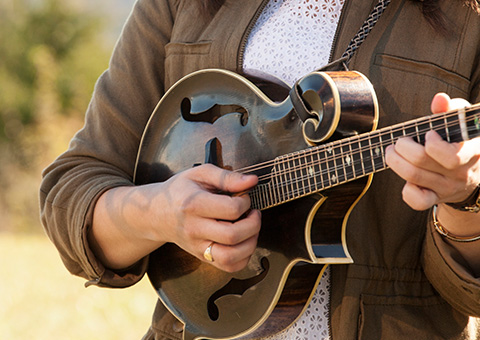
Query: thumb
[
  {"x": 441, "y": 102},
  {"x": 224, "y": 180}
]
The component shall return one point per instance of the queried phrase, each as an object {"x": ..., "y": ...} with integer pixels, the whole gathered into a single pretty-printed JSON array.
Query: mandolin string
[
  {"x": 393, "y": 129},
  {"x": 295, "y": 182},
  {"x": 295, "y": 179},
  {"x": 302, "y": 190},
  {"x": 352, "y": 140},
  {"x": 367, "y": 165}
]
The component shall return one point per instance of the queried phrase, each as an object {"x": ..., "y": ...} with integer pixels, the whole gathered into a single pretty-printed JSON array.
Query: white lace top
[{"x": 290, "y": 39}]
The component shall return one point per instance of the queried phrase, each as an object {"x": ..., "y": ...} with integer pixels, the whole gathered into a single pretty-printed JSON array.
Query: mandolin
[{"x": 312, "y": 168}]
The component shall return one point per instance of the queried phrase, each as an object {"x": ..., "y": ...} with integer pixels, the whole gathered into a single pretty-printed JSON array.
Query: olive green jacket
[{"x": 406, "y": 282}]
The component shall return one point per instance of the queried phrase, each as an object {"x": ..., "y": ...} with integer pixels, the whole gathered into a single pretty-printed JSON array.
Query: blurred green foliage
[{"x": 51, "y": 54}]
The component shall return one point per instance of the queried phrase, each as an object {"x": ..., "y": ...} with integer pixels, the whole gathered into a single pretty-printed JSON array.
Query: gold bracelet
[{"x": 444, "y": 232}]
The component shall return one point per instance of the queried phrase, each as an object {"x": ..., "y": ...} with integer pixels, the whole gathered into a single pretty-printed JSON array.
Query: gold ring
[{"x": 207, "y": 254}]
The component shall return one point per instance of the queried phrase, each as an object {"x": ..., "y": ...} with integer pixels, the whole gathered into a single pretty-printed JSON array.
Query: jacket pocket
[
  {"x": 404, "y": 317},
  {"x": 407, "y": 86},
  {"x": 184, "y": 58},
  {"x": 425, "y": 69}
]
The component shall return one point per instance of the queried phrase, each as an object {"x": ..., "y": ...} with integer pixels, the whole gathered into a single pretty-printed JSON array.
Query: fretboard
[{"x": 302, "y": 173}]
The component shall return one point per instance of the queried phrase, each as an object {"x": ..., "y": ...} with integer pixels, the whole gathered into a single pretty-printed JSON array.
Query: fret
[
  {"x": 261, "y": 202},
  {"x": 280, "y": 176},
  {"x": 417, "y": 133},
  {"x": 438, "y": 125},
  {"x": 367, "y": 159},
  {"x": 454, "y": 128},
  {"x": 377, "y": 154},
  {"x": 294, "y": 171},
  {"x": 273, "y": 193},
  {"x": 287, "y": 181},
  {"x": 397, "y": 133},
  {"x": 274, "y": 184},
  {"x": 299, "y": 174},
  {"x": 292, "y": 178},
  {"x": 283, "y": 178},
  {"x": 357, "y": 158},
  {"x": 423, "y": 126},
  {"x": 295, "y": 168},
  {"x": 326, "y": 170},
  {"x": 347, "y": 158},
  {"x": 318, "y": 161},
  {"x": 447, "y": 131},
  {"x": 263, "y": 195},
  {"x": 410, "y": 131},
  {"x": 463, "y": 124},
  {"x": 386, "y": 140},
  {"x": 339, "y": 164},
  {"x": 255, "y": 202},
  {"x": 289, "y": 185},
  {"x": 268, "y": 194},
  {"x": 303, "y": 171},
  {"x": 330, "y": 162},
  {"x": 310, "y": 169}
]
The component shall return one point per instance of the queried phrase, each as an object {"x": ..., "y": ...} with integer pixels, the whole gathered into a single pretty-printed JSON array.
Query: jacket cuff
[
  {"x": 105, "y": 277},
  {"x": 450, "y": 273}
]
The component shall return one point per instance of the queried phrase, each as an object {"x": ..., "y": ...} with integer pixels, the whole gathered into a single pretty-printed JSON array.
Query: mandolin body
[{"x": 219, "y": 117}]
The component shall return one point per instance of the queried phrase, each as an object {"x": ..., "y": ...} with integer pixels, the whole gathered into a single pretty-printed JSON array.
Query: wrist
[
  {"x": 463, "y": 236},
  {"x": 470, "y": 204}
]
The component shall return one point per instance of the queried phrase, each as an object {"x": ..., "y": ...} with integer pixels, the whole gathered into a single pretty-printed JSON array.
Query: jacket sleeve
[
  {"x": 444, "y": 266},
  {"x": 102, "y": 155},
  {"x": 450, "y": 274}
]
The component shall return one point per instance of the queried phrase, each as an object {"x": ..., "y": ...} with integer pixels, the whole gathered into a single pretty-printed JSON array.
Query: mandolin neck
[{"x": 305, "y": 172}]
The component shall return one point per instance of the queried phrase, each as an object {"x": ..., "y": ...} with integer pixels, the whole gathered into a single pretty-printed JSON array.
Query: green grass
[{"x": 39, "y": 299}]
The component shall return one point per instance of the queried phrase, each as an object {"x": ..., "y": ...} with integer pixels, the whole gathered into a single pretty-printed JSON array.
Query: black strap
[
  {"x": 365, "y": 29},
  {"x": 302, "y": 111}
]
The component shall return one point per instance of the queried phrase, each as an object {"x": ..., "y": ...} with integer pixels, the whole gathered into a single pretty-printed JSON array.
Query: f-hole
[
  {"x": 235, "y": 287},
  {"x": 211, "y": 114}
]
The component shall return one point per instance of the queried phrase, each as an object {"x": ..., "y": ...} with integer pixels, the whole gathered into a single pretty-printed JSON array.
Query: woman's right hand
[
  {"x": 192, "y": 209},
  {"x": 199, "y": 206}
]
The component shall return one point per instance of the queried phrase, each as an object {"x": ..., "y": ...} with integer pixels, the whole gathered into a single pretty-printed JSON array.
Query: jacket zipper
[{"x": 249, "y": 29}]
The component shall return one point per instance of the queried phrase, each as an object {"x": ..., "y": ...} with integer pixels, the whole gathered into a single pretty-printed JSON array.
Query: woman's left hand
[{"x": 439, "y": 171}]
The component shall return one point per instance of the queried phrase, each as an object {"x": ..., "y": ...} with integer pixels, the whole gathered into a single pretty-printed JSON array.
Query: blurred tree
[{"x": 51, "y": 56}]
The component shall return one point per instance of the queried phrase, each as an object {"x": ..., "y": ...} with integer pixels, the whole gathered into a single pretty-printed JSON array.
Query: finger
[
  {"x": 223, "y": 180},
  {"x": 228, "y": 233},
  {"x": 469, "y": 152},
  {"x": 444, "y": 153},
  {"x": 452, "y": 156},
  {"x": 216, "y": 206},
  {"x": 422, "y": 177},
  {"x": 445, "y": 187},
  {"x": 406, "y": 150},
  {"x": 234, "y": 243},
  {"x": 418, "y": 198},
  {"x": 233, "y": 258},
  {"x": 441, "y": 102},
  {"x": 232, "y": 233}
]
